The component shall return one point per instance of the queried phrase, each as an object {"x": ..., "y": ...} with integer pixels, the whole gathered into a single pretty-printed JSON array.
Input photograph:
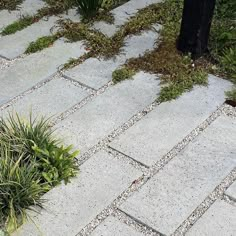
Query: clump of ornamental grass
[{"x": 32, "y": 161}]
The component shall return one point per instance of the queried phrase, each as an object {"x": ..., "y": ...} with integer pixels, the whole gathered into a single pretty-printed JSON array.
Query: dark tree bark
[{"x": 195, "y": 26}]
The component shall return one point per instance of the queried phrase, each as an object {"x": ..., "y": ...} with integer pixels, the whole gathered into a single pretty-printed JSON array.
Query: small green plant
[
  {"x": 88, "y": 8},
  {"x": 18, "y": 25},
  {"x": 228, "y": 62},
  {"x": 20, "y": 188},
  {"x": 41, "y": 43},
  {"x": 231, "y": 95},
  {"x": 122, "y": 74},
  {"x": 32, "y": 161}
]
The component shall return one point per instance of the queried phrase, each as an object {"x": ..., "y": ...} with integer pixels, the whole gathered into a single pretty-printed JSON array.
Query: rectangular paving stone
[
  {"x": 108, "y": 111},
  {"x": 219, "y": 220},
  {"x": 28, "y": 7},
  {"x": 100, "y": 73},
  {"x": 180, "y": 187},
  {"x": 37, "y": 67},
  {"x": 158, "y": 132},
  {"x": 122, "y": 14},
  {"x": 12, "y": 46},
  {"x": 113, "y": 227},
  {"x": 231, "y": 191},
  {"x": 49, "y": 100},
  {"x": 71, "y": 207}
]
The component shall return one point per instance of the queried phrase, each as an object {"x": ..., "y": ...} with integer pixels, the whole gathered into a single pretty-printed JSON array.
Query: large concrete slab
[
  {"x": 218, "y": 220},
  {"x": 176, "y": 191},
  {"x": 70, "y": 208},
  {"x": 122, "y": 14},
  {"x": 113, "y": 227},
  {"x": 49, "y": 100},
  {"x": 107, "y": 112},
  {"x": 34, "y": 68},
  {"x": 157, "y": 133},
  {"x": 12, "y": 46},
  {"x": 100, "y": 72},
  {"x": 231, "y": 191},
  {"x": 28, "y": 7}
]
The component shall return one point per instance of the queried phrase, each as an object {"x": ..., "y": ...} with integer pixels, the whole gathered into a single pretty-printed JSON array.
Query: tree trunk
[{"x": 195, "y": 26}]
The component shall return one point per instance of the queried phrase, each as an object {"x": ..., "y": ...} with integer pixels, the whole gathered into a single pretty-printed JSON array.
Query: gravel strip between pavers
[
  {"x": 5, "y": 63},
  {"x": 229, "y": 111}
]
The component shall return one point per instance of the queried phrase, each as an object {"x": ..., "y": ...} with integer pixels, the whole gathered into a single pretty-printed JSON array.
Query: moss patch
[
  {"x": 18, "y": 25},
  {"x": 41, "y": 43},
  {"x": 122, "y": 74},
  {"x": 231, "y": 95}
]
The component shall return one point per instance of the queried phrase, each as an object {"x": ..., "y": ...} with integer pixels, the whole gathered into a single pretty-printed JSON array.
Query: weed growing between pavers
[
  {"x": 9, "y": 4},
  {"x": 18, "y": 25},
  {"x": 178, "y": 72},
  {"x": 32, "y": 161},
  {"x": 232, "y": 95},
  {"x": 102, "y": 46},
  {"x": 122, "y": 74},
  {"x": 41, "y": 43},
  {"x": 56, "y": 7}
]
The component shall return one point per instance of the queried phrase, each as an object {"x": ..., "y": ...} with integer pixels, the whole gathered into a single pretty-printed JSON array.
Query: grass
[
  {"x": 41, "y": 43},
  {"x": 122, "y": 74},
  {"x": 9, "y": 4},
  {"x": 18, "y": 25},
  {"x": 223, "y": 38},
  {"x": 231, "y": 95},
  {"x": 32, "y": 161}
]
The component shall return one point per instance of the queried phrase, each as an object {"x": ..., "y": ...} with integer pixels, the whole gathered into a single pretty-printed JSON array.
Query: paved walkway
[{"x": 146, "y": 169}]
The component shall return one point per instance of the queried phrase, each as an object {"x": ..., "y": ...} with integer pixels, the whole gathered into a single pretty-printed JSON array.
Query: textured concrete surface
[
  {"x": 71, "y": 207},
  {"x": 100, "y": 72},
  {"x": 28, "y": 7},
  {"x": 218, "y": 220},
  {"x": 190, "y": 191},
  {"x": 231, "y": 191},
  {"x": 113, "y": 227},
  {"x": 97, "y": 119},
  {"x": 150, "y": 139},
  {"x": 171, "y": 195},
  {"x": 52, "y": 99},
  {"x": 94, "y": 76},
  {"x": 12, "y": 46},
  {"x": 37, "y": 67}
]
